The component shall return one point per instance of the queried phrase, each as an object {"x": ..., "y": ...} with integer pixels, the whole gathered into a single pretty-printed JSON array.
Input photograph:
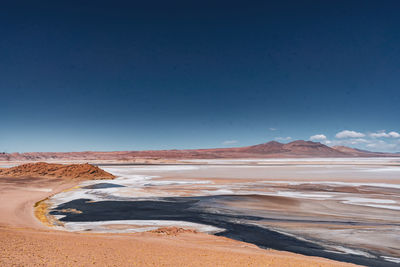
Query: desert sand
[{"x": 24, "y": 241}]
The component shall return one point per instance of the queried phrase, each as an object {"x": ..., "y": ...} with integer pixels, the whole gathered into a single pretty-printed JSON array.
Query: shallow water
[{"x": 201, "y": 211}]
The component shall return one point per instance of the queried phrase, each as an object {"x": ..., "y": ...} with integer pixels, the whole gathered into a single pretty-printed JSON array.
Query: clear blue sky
[{"x": 124, "y": 75}]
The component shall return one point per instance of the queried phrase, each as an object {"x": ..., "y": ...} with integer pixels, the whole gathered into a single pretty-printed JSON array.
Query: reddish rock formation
[
  {"x": 42, "y": 169},
  {"x": 172, "y": 231}
]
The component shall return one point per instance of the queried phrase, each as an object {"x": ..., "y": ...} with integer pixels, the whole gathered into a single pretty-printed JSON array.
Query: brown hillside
[
  {"x": 266, "y": 148},
  {"x": 42, "y": 169},
  {"x": 357, "y": 152},
  {"x": 295, "y": 148},
  {"x": 301, "y": 147},
  {"x": 272, "y": 149}
]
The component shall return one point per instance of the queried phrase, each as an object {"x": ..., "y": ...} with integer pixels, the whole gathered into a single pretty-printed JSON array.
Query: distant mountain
[
  {"x": 267, "y": 148},
  {"x": 273, "y": 149},
  {"x": 312, "y": 149},
  {"x": 295, "y": 148},
  {"x": 359, "y": 152}
]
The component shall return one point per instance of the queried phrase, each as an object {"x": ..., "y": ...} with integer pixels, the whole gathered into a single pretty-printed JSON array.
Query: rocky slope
[
  {"x": 356, "y": 152},
  {"x": 42, "y": 169},
  {"x": 295, "y": 148}
]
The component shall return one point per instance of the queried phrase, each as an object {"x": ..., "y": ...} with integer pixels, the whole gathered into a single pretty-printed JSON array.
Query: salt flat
[{"x": 346, "y": 206}]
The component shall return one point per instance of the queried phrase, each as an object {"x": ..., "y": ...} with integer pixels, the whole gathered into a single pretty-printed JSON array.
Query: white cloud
[
  {"x": 230, "y": 142},
  {"x": 352, "y": 141},
  {"x": 318, "y": 137},
  {"x": 394, "y": 134},
  {"x": 379, "y": 134},
  {"x": 383, "y": 133},
  {"x": 372, "y": 144},
  {"x": 349, "y": 134},
  {"x": 372, "y": 141},
  {"x": 382, "y": 146},
  {"x": 273, "y": 129},
  {"x": 357, "y": 141},
  {"x": 283, "y": 138}
]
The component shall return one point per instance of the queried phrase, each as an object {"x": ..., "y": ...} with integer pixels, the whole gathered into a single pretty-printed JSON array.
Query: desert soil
[{"x": 24, "y": 241}]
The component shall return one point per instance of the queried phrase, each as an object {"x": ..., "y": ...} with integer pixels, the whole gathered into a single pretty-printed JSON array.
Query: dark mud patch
[
  {"x": 200, "y": 210},
  {"x": 102, "y": 186}
]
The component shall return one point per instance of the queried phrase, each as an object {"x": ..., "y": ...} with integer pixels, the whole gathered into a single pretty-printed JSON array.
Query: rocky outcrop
[{"x": 48, "y": 170}]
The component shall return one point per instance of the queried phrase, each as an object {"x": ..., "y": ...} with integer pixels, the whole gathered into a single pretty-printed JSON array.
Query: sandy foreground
[{"x": 24, "y": 241}]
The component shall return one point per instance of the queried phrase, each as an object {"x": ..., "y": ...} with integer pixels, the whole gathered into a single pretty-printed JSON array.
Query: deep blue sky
[{"x": 123, "y": 75}]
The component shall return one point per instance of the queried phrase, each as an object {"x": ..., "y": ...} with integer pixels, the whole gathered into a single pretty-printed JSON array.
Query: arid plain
[{"x": 343, "y": 209}]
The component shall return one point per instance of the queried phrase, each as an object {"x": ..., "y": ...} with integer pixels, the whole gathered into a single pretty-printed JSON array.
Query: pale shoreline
[
  {"x": 38, "y": 244},
  {"x": 17, "y": 202}
]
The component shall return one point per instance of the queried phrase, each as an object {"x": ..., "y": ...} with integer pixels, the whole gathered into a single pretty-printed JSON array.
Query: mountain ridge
[{"x": 272, "y": 149}]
